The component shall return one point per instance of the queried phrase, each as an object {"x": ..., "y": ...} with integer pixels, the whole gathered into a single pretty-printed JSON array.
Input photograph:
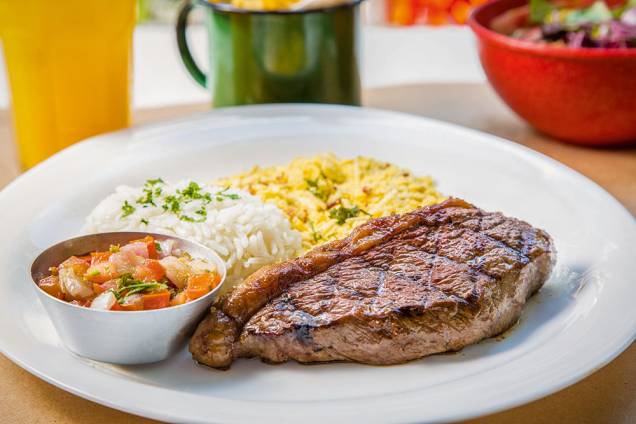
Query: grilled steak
[{"x": 397, "y": 289}]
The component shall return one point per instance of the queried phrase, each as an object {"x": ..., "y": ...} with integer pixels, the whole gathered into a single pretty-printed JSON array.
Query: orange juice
[{"x": 69, "y": 68}]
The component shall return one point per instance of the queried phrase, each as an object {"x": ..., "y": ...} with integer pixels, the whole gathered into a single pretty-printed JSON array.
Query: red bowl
[{"x": 581, "y": 95}]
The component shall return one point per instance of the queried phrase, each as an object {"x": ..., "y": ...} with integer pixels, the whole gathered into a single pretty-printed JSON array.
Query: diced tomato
[
  {"x": 51, "y": 285},
  {"x": 100, "y": 272},
  {"x": 201, "y": 284},
  {"x": 98, "y": 257},
  {"x": 197, "y": 287},
  {"x": 133, "y": 302},
  {"x": 152, "y": 248},
  {"x": 135, "y": 306},
  {"x": 151, "y": 270},
  {"x": 116, "y": 307},
  {"x": 150, "y": 244},
  {"x": 156, "y": 300},
  {"x": 85, "y": 258}
]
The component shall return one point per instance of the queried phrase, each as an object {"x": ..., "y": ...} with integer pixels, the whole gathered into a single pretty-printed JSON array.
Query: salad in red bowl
[
  {"x": 568, "y": 67},
  {"x": 572, "y": 23}
]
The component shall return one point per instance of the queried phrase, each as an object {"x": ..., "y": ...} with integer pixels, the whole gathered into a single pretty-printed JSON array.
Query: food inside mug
[
  {"x": 140, "y": 275},
  {"x": 572, "y": 23},
  {"x": 273, "y": 5}
]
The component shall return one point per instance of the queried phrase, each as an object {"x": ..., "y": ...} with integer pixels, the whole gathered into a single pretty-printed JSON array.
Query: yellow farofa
[{"x": 311, "y": 191}]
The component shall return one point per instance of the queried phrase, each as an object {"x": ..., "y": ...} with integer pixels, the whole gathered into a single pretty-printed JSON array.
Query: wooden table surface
[{"x": 607, "y": 396}]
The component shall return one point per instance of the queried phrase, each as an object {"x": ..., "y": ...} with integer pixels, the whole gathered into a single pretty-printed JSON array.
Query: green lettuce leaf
[{"x": 539, "y": 9}]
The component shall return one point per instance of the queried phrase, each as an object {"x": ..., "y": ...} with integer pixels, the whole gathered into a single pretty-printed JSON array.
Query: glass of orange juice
[{"x": 69, "y": 68}]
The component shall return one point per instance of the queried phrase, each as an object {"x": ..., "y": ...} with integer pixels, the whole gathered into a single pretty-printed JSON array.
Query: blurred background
[{"x": 403, "y": 41}]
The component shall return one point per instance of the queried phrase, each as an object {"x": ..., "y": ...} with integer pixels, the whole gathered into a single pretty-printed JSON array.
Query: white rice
[{"x": 245, "y": 232}]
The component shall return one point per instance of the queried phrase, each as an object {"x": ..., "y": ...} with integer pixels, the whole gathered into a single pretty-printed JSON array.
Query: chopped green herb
[
  {"x": 192, "y": 192},
  {"x": 147, "y": 199},
  {"x": 314, "y": 188},
  {"x": 341, "y": 214},
  {"x": 150, "y": 191},
  {"x": 129, "y": 285},
  {"x": 190, "y": 219},
  {"x": 94, "y": 273},
  {"x": 141, "y": 287},
  {"x": 222, "y": 194},
  {"x": 144, "y": 221},
  {"x": 175, "y": 202},
  {"x": 172, "y": 204},
  {"x": 539, "y": 9},
  {"x": 116, "y": 293},
  {"x": 154, "y": 182},
  {"x": 316, "y": 236},
  {"x": 127, "y": 209},
  {"x": 126, "y": 279},
  {"x": 158, "y": 247}
]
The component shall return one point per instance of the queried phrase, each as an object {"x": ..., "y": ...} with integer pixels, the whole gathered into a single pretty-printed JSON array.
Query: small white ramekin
[{"x": 121, "y": 337}]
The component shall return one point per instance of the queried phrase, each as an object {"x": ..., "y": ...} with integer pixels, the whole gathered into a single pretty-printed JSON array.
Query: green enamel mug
[{"x": 304, "y": 56}]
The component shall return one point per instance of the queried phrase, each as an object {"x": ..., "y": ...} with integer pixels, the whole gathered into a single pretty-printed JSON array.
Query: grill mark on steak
[{"x": 398, "y": 288}]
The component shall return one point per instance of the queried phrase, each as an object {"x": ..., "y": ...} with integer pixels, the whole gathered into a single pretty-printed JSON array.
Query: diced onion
[
  {"x": 73, "y": 284},
  {"x": 104, "y": 301}
]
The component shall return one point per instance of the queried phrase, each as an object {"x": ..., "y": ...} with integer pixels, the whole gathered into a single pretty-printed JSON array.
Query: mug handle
[{"x": 182, "y": 42}]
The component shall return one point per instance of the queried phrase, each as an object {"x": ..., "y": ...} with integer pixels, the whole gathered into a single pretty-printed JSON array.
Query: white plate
[{"x": 579, "y": 321}]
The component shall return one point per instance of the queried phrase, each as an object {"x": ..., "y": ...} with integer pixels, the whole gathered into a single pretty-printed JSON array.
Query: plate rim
[{"x": 246, "y": 111}]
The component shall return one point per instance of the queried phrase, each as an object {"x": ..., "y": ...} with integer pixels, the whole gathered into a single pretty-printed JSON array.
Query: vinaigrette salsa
[{"x": 140, "y": 275}]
